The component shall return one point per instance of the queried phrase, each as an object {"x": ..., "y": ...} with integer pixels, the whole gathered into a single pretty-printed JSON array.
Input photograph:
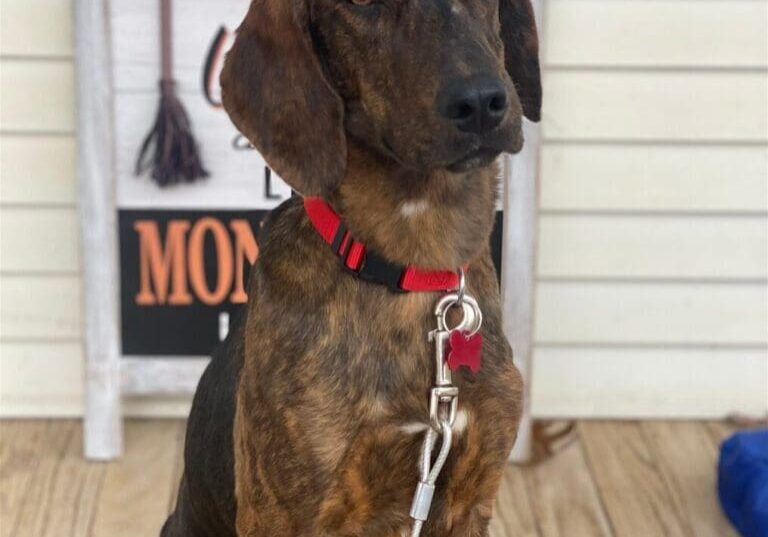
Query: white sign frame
[{"x": 108, "y": 375}]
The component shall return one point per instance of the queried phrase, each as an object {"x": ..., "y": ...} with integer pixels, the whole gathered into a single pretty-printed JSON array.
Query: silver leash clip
[
  {"x": 443, "y": 399},
  {"x": 444, "y": 395}
]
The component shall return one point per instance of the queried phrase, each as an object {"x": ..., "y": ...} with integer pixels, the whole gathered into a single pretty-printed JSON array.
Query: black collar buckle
[{"x": 376, "y": 269}]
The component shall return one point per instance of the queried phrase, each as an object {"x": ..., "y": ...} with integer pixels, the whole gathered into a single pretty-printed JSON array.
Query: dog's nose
[{"x": 475, "y": 105}]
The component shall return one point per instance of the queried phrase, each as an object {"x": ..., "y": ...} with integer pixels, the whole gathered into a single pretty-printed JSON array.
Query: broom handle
[{"x": 166, "y": 39}]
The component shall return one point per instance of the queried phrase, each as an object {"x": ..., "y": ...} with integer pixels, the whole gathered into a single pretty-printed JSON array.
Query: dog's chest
[
  {"x": 352, "y": 388},
  {"x": 381, "y": 449},
  {"x": 376, "y": 375}
]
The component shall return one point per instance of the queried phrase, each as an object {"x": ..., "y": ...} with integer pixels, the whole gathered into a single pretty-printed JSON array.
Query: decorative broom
[{"x": 170, "y": 150}]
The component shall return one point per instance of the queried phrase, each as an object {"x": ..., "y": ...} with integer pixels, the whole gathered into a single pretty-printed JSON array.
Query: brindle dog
[{"x": 309, "y": 420}]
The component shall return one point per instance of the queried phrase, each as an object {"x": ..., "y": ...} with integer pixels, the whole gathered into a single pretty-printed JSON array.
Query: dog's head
[{"x": 430, "y": 84}]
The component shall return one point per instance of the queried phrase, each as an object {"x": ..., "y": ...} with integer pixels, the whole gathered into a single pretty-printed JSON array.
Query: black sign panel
[{"x": 184, "y": 276}]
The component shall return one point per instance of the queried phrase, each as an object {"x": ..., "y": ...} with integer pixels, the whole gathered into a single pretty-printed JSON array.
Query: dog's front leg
[
  {"x": 278, "y": 481},
  {"x": 467, "y": 506},
  {"x": 259, "y": 514},
  {"x": 373, "y": 486},
  {"x": 480, "y": 458}
]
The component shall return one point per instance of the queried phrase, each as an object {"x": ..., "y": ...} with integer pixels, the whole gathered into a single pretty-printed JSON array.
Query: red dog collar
[{"x": 367, "y": 265}]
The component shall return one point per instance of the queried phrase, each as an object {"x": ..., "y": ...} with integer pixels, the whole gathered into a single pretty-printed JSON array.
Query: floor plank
[
  {"x": 137, "y": 490},
  {"x": 621, "y": 480},
  {"x": 178, "y": 469},
  {"x": 513, "y": 516},
  {"x": 75, "y": 493},
  {"x": 564, "y": 497},
  {"x": 62, "y": 501},
  {"x": 720, "y": 431},
  {"x": 35, "y": 511},
  {"x": 630, "y": 483},
  {"x": 687, "y": 460},
  {"x": 21, "y": 450}
]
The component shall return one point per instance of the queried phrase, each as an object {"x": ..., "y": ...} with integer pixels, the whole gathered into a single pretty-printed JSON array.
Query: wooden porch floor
[{"x": 620, "y": 479}]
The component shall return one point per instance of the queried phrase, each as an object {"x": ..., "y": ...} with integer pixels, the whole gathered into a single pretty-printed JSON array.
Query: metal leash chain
[{"x": 443, "y": 401}]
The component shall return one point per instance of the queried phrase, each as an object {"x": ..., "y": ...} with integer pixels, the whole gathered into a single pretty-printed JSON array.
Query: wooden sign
[
  {"x": 241, "y": 186},
  {"x": 185, "y": 250},
  {"x": 180, "y": 254}
]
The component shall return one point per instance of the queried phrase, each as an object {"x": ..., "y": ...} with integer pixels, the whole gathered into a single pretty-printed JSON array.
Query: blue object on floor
[{"x": 743, "y": 482}]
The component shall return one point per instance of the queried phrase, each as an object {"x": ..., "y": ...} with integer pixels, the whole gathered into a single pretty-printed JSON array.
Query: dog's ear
[
  {"x": 274, "y": 90},
  {"x": 521, "y": 52}
]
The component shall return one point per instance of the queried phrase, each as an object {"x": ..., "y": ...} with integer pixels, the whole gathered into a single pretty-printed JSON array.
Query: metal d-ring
[
  {"x": 462, "y": 284},
  {"x": 472, "y": 318}
]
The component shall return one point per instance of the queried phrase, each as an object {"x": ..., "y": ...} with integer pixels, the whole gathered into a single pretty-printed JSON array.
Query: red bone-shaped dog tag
[{"x": 466, "y": 350}]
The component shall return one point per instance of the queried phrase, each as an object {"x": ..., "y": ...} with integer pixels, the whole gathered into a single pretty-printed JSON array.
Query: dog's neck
[{"x": 436, "y": 220}]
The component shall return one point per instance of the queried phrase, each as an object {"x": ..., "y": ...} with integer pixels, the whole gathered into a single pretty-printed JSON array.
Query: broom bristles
[{"x": 170, "y": 150}]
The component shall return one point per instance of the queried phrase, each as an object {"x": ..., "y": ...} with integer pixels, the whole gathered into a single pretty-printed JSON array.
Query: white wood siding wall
[
  {"x": 41, "y": 351},
  {"x": 651, "y": 296},
  {"x": 653, "y": 252},
  {"x": 40, "y": 335}
]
